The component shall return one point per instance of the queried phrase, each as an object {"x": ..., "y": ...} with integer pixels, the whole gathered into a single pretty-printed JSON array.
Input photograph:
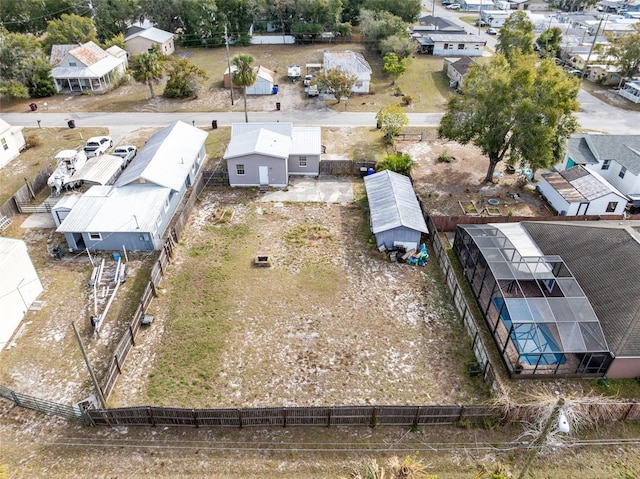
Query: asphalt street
[{"x": 595, "y": 115}]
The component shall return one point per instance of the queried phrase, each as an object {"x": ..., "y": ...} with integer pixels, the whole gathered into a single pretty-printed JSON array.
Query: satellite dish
[{"x": 563, "y": 424}]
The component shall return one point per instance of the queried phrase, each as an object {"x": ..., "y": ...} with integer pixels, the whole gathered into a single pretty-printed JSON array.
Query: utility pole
[
  {"x": 101, "y": 398},
  {"x": 226, "y": 41},
  {"x": 593, "y": 44}
]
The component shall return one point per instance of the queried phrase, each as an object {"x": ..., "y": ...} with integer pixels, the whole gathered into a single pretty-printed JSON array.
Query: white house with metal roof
[
  {"x": 265, "y": 154},
  {"x": 452, "y": 45},
  {"x": 631, "y": 91},
  {"x": 89, "y": 67},
  {"x": 350, "y": 62},
  {"x": 136, "y": 210},
  {"x": 578, "y": 191},
  {"x": 11, "y": 142},
  {"x": 396, "y": 216},
  {"x": 144, "y": 40},
  {"x": 19, "y": 286}
]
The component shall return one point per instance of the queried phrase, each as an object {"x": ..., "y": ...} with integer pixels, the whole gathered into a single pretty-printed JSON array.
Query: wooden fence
[
  {"x": 295, "y": 416},
  {"x": 345, "y": 167},
  {"x": 478, "y": 343},
  {"x": 26, "y": 194}
]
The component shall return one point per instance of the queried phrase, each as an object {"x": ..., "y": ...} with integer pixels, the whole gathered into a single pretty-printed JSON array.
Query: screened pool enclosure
[{"x": 538, "y": 315}]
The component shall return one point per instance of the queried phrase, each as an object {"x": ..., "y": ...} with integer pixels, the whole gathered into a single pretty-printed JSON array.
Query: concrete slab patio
[{"x": 323, "y": 189}]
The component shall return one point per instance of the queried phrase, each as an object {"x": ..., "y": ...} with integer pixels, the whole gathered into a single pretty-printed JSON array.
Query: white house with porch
[{"x": 89, "y": 68}]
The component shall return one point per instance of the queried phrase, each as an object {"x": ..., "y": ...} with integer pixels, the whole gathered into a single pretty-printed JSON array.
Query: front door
[
  {"x": 263, "y": 171},
  {"x": 582, "y": 209}
]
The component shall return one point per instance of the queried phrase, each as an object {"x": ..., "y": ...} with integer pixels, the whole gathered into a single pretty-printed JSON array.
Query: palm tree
[
  {"x": 244, "y": 76},
  {"x": 146, "y": 68}
]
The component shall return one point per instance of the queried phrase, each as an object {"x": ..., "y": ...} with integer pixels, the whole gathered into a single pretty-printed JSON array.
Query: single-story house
[
  {"x": 136, "y": 210},
  {"x": 456, "y": 70},
  {"x": 476, "y": 5},
  {"x": 604, "y": 74},
  {"x": 261, "y": 154},
  {"x": 144, "y": 40},
  {"x": 447, "y": 45},
  {"x": 616, "y": 158},
  {"x": 395, "y": 214},
  {"x": 19, "y": 286},
  {"x": 578, "y": 191},
  {"x": 631, "y": 91},
  {"x": 350, "y": 62},
  {"x": 89, "y": 67},
  {"x": 533, "y": 301},
  {"x": 494, "y": 18},
  {"x": 11, "y": 142}
]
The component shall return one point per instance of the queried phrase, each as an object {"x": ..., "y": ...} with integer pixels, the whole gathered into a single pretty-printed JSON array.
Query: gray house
[
  {"x": 261, "y": 154},
  {"x": 396, "y": 216},
  {"x": 136, "y": 210}
]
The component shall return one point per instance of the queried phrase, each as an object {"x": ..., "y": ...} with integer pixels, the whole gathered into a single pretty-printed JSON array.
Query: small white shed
[
  {"x": 19, "y": 286},
  {"x": 265, "y": 80},
  {"x": 396, "y": 216},
  {"x": 579, "y": 191}
]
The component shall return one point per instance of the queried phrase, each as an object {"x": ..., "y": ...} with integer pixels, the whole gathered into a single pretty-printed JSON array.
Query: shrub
[
  {"x": 445, "y": 157},
  {"x": 407, "y": 100}
]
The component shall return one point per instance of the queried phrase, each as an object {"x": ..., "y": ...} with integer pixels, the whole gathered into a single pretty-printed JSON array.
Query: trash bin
[
  {"x": 116, "y": 256},
  {"x": 275, "y": 89},
  {"x": 278, "y": 106},
  {"x": 33, "y": 106},
  {"x": 71, "y": 123},
  {"x": 214, "y": 124}
]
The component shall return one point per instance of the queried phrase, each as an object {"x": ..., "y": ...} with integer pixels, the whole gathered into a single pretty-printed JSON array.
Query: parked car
[
  {"x": 492, "y": 31},
  {"x": 313, "y": 90},
  {"x": 126, "y": 152},
  {"x": 446, "y": 2},
  {"x": 481, "y": 23},
  {"x": 97, "y": 145},
  {"x": 633, "y": 206},
  {"x": 453, "y": 6},
  {"x": 578, "y": 73},
  {"x": 307, "y": 80}
]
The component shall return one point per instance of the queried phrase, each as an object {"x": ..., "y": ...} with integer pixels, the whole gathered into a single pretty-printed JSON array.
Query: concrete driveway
[{"x": 305, "y": 189}]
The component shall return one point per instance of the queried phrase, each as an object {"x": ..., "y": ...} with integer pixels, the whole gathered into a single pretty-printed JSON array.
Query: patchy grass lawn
[{"x": 47, "y": 142}]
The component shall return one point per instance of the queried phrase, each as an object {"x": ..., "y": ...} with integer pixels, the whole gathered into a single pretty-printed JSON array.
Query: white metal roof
[
  {"x": 392, "y": 202},
  {"x": 166, "y": 159},
  {"x": 284, "y": 128},
  {"x": 100, "y": 170},
  {"x": 154, "y": 34},
  {"x": 97, "y": 70},
  {"x": 306, "y": 140},
  {"x": 67, "y": 202},
  {"x": 106, "y": 209},
  {"x": 263, "y": 142},
  {"x": 519, "y": 237}
]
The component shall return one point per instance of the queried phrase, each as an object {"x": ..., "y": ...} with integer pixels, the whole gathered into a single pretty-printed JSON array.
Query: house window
[
  {"x": 3, "y": 142},
  {"x": 446, "y": 46},
  {"x": 239, "y": 169},
  {"x": 166, "y": 204},
  {"x": 72, "y": 63},
  {"x": 158, "y": 221},
  {"x": 95, "y": 236},
  {"x": 623, "y": 171},
  {"x": 460, "y": 46},
  {"x": 606, "y": 164},
  {"x": 302, "y": 161},
  {"x": 611, "y": 207}
]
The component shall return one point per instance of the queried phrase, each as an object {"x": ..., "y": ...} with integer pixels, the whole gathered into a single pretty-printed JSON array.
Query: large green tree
[
  {"x": 148, "y": 69},
  {"x": 69, "y": 30},
  {"x": 391, "y": 119},
  {"x": 522, "y": 109},
  {"x": 338, "y": 82},
  {"x": 549, "y": 42},
  {"x": 394, "y": 66},
  {"x": 516, "y": 35},
  {"x": 408, "y": 10},
  {"x": 244, "y": 76},
  {"x": 379, "y": 25},
  {"x": 31, "y": 16},
  {"x": 23, "y": 62},
  {"x": 195, "y": 21},
  {"x": 625, "y": 52},
  {"x": 185, "y": 79},
  {"x": 111, "y": 17}
]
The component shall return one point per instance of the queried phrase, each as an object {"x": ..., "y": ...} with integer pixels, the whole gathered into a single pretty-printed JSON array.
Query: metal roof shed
[{"x": 396, "y": 216}]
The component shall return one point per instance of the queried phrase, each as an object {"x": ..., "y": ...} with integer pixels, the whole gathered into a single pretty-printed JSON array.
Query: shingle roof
[
  {"x": 463, "y": 64},
  {"x": 88, "y": 53},
  {"x": 166, "y": 159},
  {"x": 591, "y": 148},
  {"x": 392, "y": 202},
  {"x": 605, "y": 260},
  {"x": 58, "y": 52}
]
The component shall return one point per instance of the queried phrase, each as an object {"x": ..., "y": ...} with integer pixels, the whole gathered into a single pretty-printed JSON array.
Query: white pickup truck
[
  {"x": 312, "y": 90},
  {"x": 97, "y": 145}
]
